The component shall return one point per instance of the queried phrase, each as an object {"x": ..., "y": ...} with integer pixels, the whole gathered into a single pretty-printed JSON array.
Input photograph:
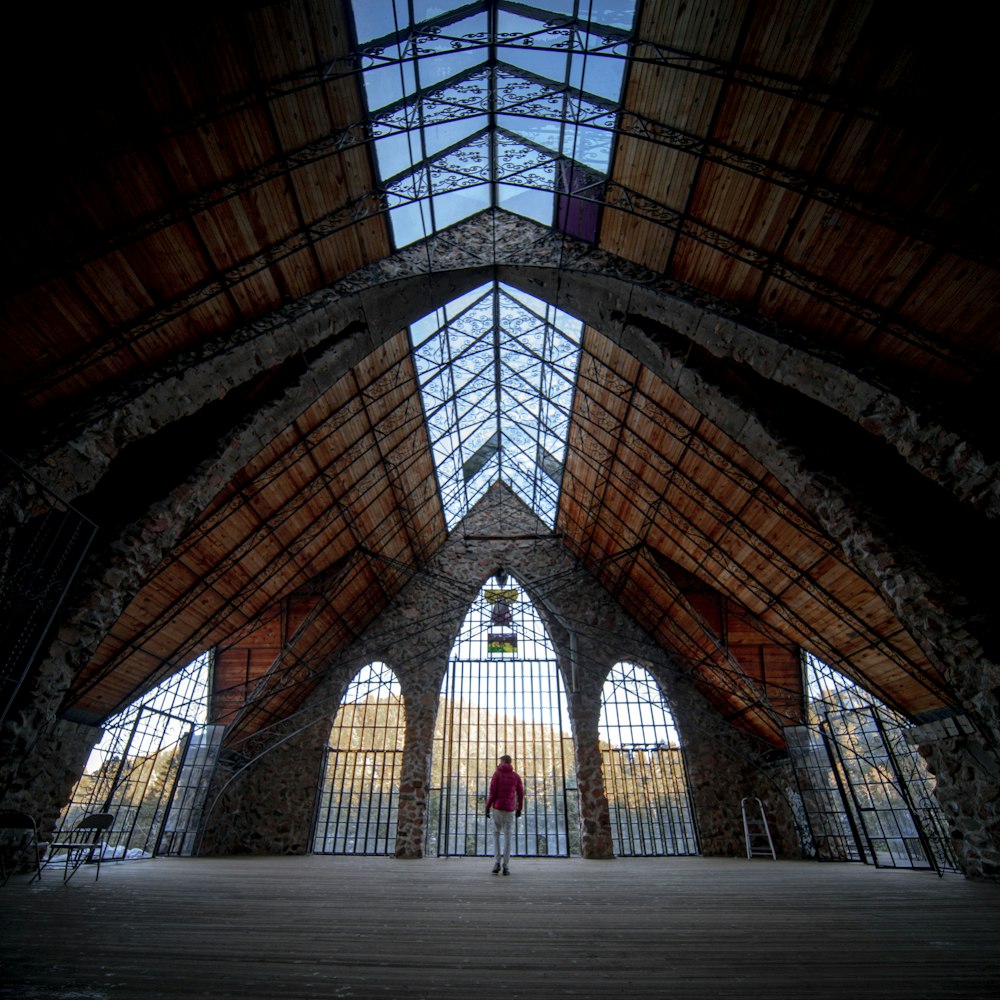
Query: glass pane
[
  {"x": 376, "y": 20},
  {"x": 388, "y": 84},
  {"x": 409, "y": 223},
  {"x": 555, "y": 6},
  {"x": 436, "y": 68},
  {"x": 543, "y": 132},
  {"x": 548, "y": 64},
  {"x": 537, "y": 205},
  {"x": 589, "y": 146},
  {"x": 598, "y": 75},
  {"x": 616, "y": 13},
  {"x": 447, "y": 134},
  {"x": 397, "y": 153},
  {"x": 424, "y": 9}
]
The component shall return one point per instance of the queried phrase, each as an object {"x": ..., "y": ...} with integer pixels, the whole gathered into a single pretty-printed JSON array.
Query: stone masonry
[
  {"x": 653, "y": 320},
  {"x": 269, "y": 805}
]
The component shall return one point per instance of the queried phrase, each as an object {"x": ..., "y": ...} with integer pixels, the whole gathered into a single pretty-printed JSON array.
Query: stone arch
[
  {"x": 723, "y": 758},
  {"x": 648, "y": 668},
  {"x": 495, "y": 701},
  {"x": 650, "y": 318},
  {"x": 656, "y": 321}
]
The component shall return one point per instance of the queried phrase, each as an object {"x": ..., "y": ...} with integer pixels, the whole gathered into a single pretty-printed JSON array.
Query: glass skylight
[
  {"x": 492, "y": 104},
  {"x": 496, "y": 369}
]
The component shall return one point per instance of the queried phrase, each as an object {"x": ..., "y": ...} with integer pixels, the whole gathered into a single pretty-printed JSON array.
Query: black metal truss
[
  {"x": 795, "y": 574},
  {"x": 632, "y": 123},
  {"x": 324, "y": 483},
  {"x": 619, "y": 198}
]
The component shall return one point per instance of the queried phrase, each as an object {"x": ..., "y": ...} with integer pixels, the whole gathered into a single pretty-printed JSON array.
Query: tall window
[
  {"x": 503, "y": 694},
  {"x": 867, "y": 792},
  {"x": 359, "y": 800},
  {"x": 152, "y": 768},
  {"x": 644, "y": 776}
]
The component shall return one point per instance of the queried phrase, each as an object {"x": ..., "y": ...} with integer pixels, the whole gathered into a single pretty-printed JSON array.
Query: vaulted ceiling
[{"x": 772, "y": 223}]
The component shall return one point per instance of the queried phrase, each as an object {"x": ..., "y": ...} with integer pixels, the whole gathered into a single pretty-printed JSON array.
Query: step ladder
[{"x": 756, "y": 832}]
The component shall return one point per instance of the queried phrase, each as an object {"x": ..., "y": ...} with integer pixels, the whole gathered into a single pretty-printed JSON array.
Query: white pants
[{"x": 503, "y": 823}]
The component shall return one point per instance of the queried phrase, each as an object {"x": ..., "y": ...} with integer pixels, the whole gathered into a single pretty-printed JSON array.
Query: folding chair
[
  {"x": 14, "y": 849},
  {"x": 84, "y": 844}
]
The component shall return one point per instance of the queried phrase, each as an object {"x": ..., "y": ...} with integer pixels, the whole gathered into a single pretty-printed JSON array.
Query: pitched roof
[{"x": 215, "y": 268}]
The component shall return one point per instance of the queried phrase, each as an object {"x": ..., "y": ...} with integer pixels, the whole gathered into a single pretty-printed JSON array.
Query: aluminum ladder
[{"x": 756, "y": 832}]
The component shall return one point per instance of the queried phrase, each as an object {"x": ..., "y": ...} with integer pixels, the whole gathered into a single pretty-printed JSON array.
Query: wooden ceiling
[{"x": 792, "y": 159}]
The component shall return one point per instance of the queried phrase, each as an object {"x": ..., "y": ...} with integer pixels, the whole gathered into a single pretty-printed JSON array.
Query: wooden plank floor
[{"x": 354, "y": 928}]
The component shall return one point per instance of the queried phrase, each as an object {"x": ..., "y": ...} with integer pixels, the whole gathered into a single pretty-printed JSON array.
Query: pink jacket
[{"x": 506, "y": 789}]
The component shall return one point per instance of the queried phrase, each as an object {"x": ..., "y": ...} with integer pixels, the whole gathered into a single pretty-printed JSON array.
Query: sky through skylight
[
  {"x": 492, "y": 104},
  {"x": 485, "y": 105},
  {"x": 496, "y": 369}
]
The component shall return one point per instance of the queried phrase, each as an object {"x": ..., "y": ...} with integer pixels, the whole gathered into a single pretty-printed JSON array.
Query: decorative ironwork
[{"x": 484, "y": 101}]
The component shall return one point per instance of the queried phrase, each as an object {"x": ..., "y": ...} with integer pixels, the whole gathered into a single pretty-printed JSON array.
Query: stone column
[
  {"x": 595, "y": 814},
  {"x": 415, "y": 779},
  {"x": 967, "y": 787}
]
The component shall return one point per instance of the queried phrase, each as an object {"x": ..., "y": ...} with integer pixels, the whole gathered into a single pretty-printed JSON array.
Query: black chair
[
  {"x": 18, "y": 836},
  {"x": 84, "y": 844}
]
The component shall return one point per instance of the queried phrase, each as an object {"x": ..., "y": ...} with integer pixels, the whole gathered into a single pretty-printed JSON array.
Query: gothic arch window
[
  {"x": 503, "y": 693},
  {"x": 644, "y": 772},
  {"x": 359, "y": 800}
]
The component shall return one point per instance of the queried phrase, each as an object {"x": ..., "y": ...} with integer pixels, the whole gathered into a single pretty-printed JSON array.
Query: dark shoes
[
  {"x": 496, "y": 869},
  {"x": 505, "y": 870}
]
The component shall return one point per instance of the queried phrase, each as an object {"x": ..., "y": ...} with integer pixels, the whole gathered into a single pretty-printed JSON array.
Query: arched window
[
  {"x": 503, "y": 693},
  {"x": 359, "y": 800},
  {"x": 644, "y": 775}
]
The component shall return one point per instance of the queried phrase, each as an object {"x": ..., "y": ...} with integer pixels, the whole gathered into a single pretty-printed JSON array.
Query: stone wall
[
  {"x": 40, "y": 784},
  {"x": 967, "y": 777},
  {"x": 658, "y": 322},
  {"x": 269, "y": 805}
]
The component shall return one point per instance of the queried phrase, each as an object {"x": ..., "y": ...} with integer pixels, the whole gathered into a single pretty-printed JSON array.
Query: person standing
[{"x": 506, "y": 799}]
